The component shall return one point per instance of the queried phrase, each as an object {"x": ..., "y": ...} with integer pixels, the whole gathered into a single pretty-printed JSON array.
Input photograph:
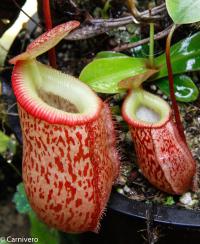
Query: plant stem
[
  {"x": 151, "y": 45},
  {"x": 15, "y": 169},
  {"x": 171, "y": 85},
  {"x": 48, "y": 24}
]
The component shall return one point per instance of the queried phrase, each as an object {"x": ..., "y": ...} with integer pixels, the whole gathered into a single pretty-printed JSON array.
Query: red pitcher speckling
[{"x": 69, "y": 156}]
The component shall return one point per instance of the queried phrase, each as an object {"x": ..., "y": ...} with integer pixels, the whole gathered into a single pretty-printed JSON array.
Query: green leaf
[
  {"x": 20, "y": 200},
  {"x": 104, "y": 12},
  {"x": 3, "y": 241},
  {"x": 7, "y": 143},
  {"x": 104, "y": 74},
  {"x": 139, "y": 51},
  {"x": 4, "y": 142},
  {"x": 185, "y": 57},
  {"x": 185, "y": 89},
  {"x": 109, "y": 54},
  {"x": 169, "y": 201},
  {"x": 41, "y": 231},
  {"x": 183, "y": 11}
]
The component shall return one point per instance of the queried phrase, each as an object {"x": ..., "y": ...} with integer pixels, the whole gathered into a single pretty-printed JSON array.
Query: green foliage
[
  {"x": 103, "y": 12},
  {"x": 185, "y": 89},
  {"x": 3, "y": 242},
  {"x": 139, "y": 51},
  {"x": 7, "y": 144},
  {"x": 41, "y": 231},
  {"x": 183, "y": 11},
  {"x": 169, "y": 201},
  {"x": 4, "y": 142},
  {"x": 104, "y": 74},
  {"x": 20, "y": 200},
  {"x": 185, "y": 56},
  {"x": 109, "y": 54}
]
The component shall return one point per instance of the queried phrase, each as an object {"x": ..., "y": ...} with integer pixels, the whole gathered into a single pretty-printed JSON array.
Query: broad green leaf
[
  {"x": 184, "y": 11},
  {"x": 41, "y": 231},
  {"x": 4, "y": 142},
  {"x": 104, "y": 74},
  {"x": 20, "y": 200},
  {"x": 185, "y": 89},
  {"x": 109, "y": 54},
  {"x": 185, "y": 56}
]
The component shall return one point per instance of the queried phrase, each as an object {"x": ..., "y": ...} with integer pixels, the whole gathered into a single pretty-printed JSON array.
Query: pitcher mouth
[
  {"x": 55, "y": 97},
  {"x": 143, "y": 109}
]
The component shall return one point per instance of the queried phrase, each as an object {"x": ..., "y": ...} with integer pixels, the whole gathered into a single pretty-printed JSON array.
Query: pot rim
[{"x": 172, "y": 215}]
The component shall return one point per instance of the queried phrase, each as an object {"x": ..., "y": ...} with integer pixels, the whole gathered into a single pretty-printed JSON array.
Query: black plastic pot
[
  {"x": 158, "y": 213},
  {"x": 132, "y": 222}
]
